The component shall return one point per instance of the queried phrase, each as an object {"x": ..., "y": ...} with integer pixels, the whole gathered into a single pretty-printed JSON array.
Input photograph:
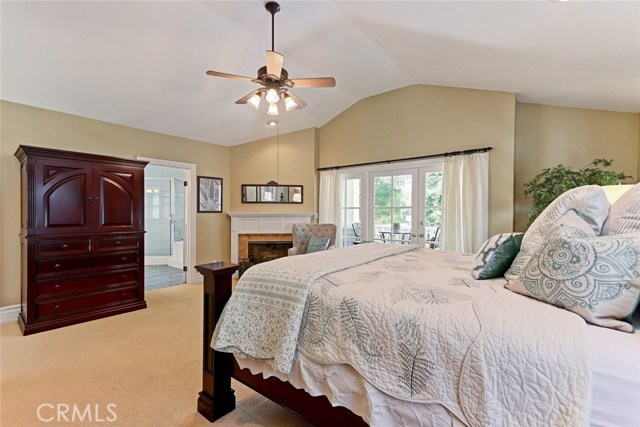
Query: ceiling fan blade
[
  {"x": 229, "y": 76},
  {"x": 315, "y": 82},
  {"x": 300, "y": 102},
  {"x": 274, "y": 64},
  {"x": 244, "y": 99}
]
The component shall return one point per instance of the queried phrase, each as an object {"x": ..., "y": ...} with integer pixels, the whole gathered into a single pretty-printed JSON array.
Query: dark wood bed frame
[{"x": 217, "y": 398}]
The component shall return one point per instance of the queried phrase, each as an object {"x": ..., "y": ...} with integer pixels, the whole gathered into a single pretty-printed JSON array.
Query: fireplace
[
  {"x": 261, "y": 227},
  {"x": 263, "y": 251}
]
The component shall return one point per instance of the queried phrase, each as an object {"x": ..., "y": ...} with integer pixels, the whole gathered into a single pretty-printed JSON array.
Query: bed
[{"x": 402, "y": 335}]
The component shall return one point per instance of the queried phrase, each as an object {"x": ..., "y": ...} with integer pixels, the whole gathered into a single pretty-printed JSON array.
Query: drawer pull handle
[
  {"x": 65, "y": 246},
  {"x": 118, "y": 242},
  {"x": 124, "y": 277},
  {"x": 89, "y": 198},
  {"x": 56, "y": 266},
  {"x": 124, "y": 258},
  {"x": 57, "y": 286},
  {"x": 124, "y": 295},
  {"x": 56, "y": 307}
]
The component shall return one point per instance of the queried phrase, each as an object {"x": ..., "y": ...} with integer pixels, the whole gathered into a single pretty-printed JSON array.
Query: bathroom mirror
[{"x": 255, "y": 193}]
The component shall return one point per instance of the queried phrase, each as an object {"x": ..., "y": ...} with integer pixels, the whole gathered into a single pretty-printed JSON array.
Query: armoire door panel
[
  {"x": 65, "y": 191},
  {"x": 65, "y": 204},
  {"x": 115, "y": 202}
]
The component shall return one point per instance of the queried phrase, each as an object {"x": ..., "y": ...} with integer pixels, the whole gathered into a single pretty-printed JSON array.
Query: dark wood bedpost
[{"x": 217, "y": 398}]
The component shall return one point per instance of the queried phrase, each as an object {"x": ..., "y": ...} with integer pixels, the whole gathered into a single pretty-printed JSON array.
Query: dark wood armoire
[{"x": 82, "y": 233}]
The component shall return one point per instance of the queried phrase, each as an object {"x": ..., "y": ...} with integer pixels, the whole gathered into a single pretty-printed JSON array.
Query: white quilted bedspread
[{"x": 418, "y": 327}]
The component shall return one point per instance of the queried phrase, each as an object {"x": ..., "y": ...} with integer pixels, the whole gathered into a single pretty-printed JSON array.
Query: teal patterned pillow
[
  {"x": 496, "y": 255},
  {"x": 317, "y": 245},
  {"x": 569, "y": 224},
  {"x": 597, "y": 278}
]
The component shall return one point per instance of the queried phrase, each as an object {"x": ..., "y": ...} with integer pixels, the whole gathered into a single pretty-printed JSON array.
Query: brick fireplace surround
[{"x": 261, "y": 226}]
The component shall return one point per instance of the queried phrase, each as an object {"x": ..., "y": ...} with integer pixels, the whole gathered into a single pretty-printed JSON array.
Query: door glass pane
[
  {"x": 351, "y": 202},
  {"x": 157, "y": 216},
  {"x": 178, "y": 225},
  {"x": 392, "y": 208},
  {"x": 433, "y": 208},
  {"x": 382, "y": 191}
]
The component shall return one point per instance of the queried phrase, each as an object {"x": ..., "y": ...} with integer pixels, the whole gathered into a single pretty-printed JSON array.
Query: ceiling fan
[{"x": 275, "y": 79}]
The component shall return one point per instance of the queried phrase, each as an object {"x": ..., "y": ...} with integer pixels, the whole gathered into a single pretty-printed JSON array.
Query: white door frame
[{"x": 191, "y": 196}]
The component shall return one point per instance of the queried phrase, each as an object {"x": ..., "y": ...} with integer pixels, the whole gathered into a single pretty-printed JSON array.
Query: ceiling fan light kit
[{"x": 275, "y": 79}]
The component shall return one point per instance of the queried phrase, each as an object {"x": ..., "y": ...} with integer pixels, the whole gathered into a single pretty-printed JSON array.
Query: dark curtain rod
[{"x": 408, "y": 159}]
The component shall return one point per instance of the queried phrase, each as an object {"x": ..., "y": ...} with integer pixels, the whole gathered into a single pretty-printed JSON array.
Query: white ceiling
[{"x": 142, "y": 63}]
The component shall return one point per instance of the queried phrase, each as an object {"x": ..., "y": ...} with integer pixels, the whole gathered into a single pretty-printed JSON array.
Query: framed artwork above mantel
[{"x": 276, "y": 193}]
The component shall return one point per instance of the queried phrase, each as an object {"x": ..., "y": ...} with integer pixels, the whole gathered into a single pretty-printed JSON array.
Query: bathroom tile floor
[{"x": 161, "y": 276}]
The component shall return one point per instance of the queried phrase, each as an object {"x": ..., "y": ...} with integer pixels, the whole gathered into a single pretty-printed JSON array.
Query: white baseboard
[{"x": 9, "y": 313}]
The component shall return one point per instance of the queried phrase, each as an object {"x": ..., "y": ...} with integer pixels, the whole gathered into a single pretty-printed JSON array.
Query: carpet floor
[{"x": 147, "y": 363}]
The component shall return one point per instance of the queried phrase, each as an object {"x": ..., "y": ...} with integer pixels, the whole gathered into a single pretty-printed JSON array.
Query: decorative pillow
[
  {"x": 597, "y": 278},
  {"x": 624, "y": 215},
  {"x": 570, "y": 223},
  {"x": 589, "y": 202},
  {"x": 317, "y": 245},
  {"x": 496, "y": 254}
]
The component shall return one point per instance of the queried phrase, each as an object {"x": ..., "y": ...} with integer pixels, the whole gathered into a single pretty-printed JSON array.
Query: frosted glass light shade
[
  {"x": 272, "y": 96},
  {"x": 254, "y": 101},
  {"x": 273, "y": 110},
  {"x": 289, "y": 103}
]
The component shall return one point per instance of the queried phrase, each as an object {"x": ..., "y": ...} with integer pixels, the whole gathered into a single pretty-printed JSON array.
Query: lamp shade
[{"x": 614, "y": 192}]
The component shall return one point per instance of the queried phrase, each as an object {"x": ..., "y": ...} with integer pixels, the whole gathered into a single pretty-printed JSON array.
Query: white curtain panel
[
  {"x": 330, "y": 209},
  {"x": 465, "y": 202}
]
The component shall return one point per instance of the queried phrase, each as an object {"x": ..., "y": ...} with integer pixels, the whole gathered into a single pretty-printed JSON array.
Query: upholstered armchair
[{"x": 302, "y": 233}]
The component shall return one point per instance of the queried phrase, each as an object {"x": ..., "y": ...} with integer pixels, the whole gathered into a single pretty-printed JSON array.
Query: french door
[{"x": 394, "y": 205}]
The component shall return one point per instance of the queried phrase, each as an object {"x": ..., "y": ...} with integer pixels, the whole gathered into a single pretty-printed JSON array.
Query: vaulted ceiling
[{"x": 142, "y": 63}]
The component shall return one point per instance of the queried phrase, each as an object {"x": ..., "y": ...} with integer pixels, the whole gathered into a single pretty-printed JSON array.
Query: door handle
[{"x": 421, "y": 234}]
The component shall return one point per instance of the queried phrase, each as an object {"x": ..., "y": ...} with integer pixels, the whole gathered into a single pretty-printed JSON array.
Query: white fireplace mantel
[{"x": 263, "y": 223}]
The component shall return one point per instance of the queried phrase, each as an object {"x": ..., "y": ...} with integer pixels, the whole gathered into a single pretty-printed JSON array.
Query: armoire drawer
[
  {"x": 63, "y": 247},
  {"x": 121, "y": 260},
  {"x": 54, "y": 288},
  {"x": 85, "y": 302},
  {"x": 117, "y": 243}
]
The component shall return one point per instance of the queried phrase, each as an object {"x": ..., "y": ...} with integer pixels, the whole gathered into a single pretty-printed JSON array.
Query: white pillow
[{"x": 624, "y": 215}]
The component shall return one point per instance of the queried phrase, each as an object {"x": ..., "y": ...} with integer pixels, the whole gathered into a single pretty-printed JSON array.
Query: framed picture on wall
[{"x": 209, "y": 194}]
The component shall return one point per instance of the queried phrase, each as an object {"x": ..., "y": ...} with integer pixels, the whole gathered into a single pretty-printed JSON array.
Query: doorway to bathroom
[{"x": 167, "y": 224}]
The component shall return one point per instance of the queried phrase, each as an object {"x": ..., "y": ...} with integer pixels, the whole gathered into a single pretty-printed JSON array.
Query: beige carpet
[{"x": 147, "y": 363}]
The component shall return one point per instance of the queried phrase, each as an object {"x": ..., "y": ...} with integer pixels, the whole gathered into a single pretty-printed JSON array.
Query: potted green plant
[{"x": 552, "y": 182}]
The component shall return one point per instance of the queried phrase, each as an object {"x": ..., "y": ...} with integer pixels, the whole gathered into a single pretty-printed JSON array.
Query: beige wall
[
  {"x": 33, "y": 126},
  {"x": 256, "y": 163},
  {"x": 422, "y": 120},
  {"x": 547, "y": 136}
]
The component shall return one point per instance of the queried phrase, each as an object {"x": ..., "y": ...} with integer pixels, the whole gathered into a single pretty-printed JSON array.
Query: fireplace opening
[{"x": 262, "y": 252}]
